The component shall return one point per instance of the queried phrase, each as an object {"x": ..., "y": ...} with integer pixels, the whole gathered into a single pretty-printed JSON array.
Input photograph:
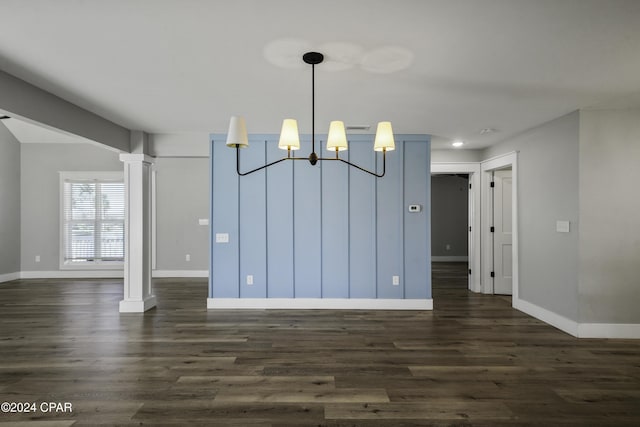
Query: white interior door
[{"x": 502, "y": 235}]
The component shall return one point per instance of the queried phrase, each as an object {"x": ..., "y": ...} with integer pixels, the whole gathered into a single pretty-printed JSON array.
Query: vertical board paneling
[
  {"x": 390, "y": 226},
  {"x": 335, "y": 227},
  {"x": 224, "y": 278},
  {"x": 324, "y": 231},
  {"x": 417, "y": 248},
  {"x": 253, "y": 225},
  {"x": 279, "y": 224},
  {"x": 307, "y": 228},
  {"x": 362, "y": 219}
]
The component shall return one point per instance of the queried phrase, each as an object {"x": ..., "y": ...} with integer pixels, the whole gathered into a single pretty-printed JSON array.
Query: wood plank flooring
[{"x": 473, "y": 361}]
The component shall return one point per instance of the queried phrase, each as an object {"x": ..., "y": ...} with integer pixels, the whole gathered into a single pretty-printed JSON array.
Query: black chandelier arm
[
  {"x": 264, "y": 166},
  {"x": 363, "y": 169},
  {"x": 256, "y": 169},
  {"x": 384, "y": 163}
]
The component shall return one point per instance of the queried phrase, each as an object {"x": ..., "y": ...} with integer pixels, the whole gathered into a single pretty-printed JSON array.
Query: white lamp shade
[
  {"x": 289, "y": 138},
  {"x": 237, "y": 133},
  {"x": 384, "y": 138},
  {"x": 337, "y": 138}
]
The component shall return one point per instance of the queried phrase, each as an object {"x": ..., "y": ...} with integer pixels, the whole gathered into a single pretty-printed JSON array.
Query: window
[{"x": 92, "y": 220}]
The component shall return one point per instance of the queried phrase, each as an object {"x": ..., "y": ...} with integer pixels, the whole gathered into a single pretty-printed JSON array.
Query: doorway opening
[{"x": 462, "y": 179}]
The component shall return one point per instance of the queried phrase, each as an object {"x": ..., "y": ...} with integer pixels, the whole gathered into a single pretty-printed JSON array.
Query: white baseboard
[
  {"x": 9, "y": 277},
  {"x": 449, "y": 259},
  {"x": 180, "y": 273},
  {"x": 96, "y": 274},
  {"x": 73, "y": 274},
  {"x": 137, "y": 306},
  {"x": 609, "y": 330},
  {"x": 564, "y": 324},
  {"x": 319, "y": 304},
  {"x": 580, "y": 330}
]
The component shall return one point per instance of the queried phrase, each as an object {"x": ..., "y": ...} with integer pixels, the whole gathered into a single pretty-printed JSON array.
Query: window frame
[{"x": 104, "y": 176}]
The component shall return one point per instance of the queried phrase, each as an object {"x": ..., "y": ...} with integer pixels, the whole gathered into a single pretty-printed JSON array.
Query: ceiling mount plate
[{"x": 313, "y": 58}]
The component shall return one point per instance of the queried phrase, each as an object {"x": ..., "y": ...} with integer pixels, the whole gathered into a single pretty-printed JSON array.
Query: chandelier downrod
[{"x": 313, "y": 58}]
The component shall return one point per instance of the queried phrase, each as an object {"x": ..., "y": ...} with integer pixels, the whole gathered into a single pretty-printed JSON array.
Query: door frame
[
  {"x": 473, "y": 251},
  {"x": 487, "y": 167}
]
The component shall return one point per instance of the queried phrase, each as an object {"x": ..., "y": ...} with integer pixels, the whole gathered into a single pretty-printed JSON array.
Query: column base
[{"x": 137, "y": 306}]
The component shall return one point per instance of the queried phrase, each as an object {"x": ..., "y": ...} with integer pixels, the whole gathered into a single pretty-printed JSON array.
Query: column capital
[{"x": 129, "y": 158}]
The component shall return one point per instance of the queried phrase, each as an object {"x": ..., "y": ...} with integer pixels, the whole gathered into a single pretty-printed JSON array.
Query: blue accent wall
[{"x": 324, "y": 231}]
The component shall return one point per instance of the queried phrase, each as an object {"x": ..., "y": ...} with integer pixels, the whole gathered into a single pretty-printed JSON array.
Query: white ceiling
[{"x": 444, "y": 67}]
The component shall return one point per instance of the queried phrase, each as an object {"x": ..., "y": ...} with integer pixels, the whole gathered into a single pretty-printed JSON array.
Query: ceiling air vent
[{"x": 358, "y": 127}]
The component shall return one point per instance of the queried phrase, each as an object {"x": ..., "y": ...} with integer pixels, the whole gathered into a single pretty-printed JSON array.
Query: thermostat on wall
[{"x": 415, "y": 208}]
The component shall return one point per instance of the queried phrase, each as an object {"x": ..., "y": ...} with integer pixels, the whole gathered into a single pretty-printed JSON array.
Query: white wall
[
  {"x": 609, "y": 216},
  {"x": 182, "y": 197},
  {"x": 548, "y": 188},
  {"x": 40, "y": 195},
  {"x": 9, "y": 204},
  {"x": 455, "y": 155}
]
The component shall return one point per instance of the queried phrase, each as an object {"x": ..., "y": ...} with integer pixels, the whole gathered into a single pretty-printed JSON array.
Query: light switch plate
[
  {"x": 222, "y": 237},
  {"x": 203, "y": 221},
  {"x": 563, "y": 226}
]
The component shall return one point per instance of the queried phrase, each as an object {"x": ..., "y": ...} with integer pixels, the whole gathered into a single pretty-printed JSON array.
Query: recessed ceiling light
[{"x": 457, "y": 144}]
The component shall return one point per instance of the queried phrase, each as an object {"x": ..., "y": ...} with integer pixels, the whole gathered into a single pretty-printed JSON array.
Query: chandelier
[{"x": 290, "y": 139}]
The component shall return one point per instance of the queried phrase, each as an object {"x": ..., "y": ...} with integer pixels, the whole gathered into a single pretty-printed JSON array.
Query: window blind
[{"x": 93, "y": 221}]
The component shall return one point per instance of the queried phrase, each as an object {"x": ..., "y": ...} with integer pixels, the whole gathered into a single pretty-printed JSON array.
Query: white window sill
[{"x": 93, "y": 266}]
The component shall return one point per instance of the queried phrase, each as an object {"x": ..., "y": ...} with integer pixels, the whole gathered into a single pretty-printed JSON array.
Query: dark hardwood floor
[{"x": 472, "y": 361}]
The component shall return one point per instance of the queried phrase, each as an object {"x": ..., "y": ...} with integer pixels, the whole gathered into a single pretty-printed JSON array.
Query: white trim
[
  {"x": 498, "y": 159},
  {"x": 94, "y": 265},
  {"x": 9, "y": 277},
  {"x": 487, "y": 166},
  {"x": 154, "y": 223},
  {"x": 580, "y": 330},
  {"x": 449, "y": 258},
  {"x": 564, "y": 324},
  {"x": 115, "y": 176},
  {"x": 474, "y": 255},
  {"x": 180, "y": 273},
  {"x": 138, "y": 286},
  {"x": 73, "y": 274},
  {"x": 96, "y": 274},
  {"x": 455, "y": 167},
  {"x": 319, "y": 303},
  {"x": 133, "y": 158},
  {"x": 609, "y": 330},
  {"x": 137, "y": 306},
  {"x": 92, "y": 175}
]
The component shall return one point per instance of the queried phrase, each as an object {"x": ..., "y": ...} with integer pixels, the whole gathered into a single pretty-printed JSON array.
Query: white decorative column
[{"x": 138, "y": 291}]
